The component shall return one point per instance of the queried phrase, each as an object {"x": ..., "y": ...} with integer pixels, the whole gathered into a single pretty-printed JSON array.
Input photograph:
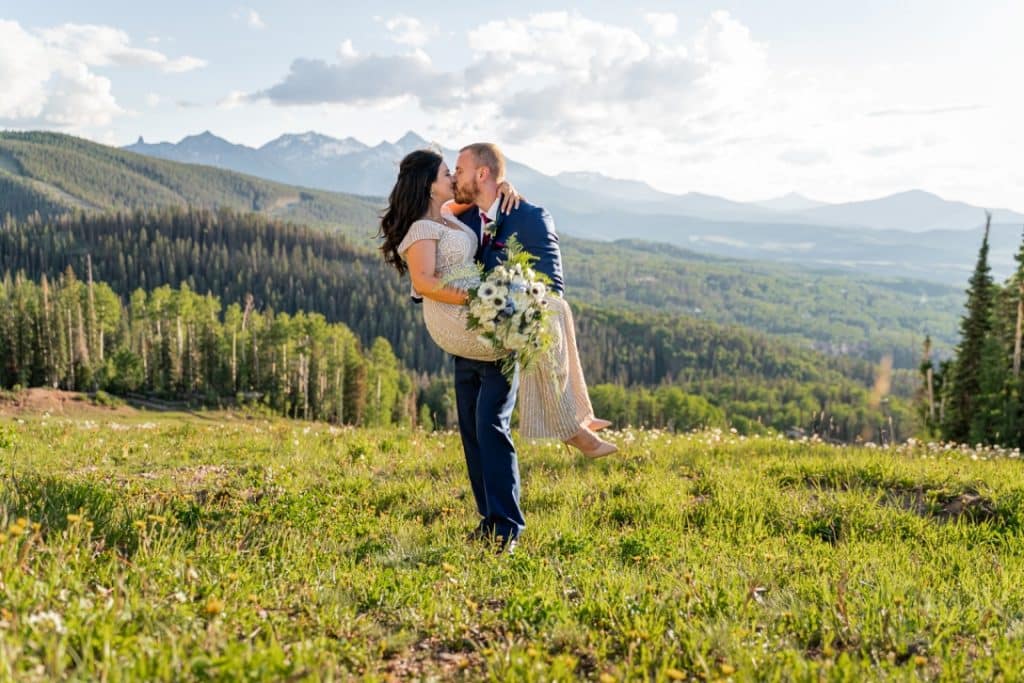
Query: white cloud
[
  {"x": 106, "y": 46},
  {"x": 358, "y": 80},
  {"x": 183, "y": 64},
  {"x": 249, "y": 17},
  {"x": 410, "y": 31},
  {"x": 663, "y": 24},
  {"x": 48, "y": 75},
  {"x": 551, "y": 75},
  {"x": 346, "y": 50},
  {"x": 235, "y": 99},
  {"x": 711, "y": 108},
  {"x": 152, "y": 99}
]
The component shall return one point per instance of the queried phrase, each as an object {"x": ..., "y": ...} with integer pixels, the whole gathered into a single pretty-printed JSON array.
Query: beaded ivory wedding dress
[{"x": 553, "y": 400}]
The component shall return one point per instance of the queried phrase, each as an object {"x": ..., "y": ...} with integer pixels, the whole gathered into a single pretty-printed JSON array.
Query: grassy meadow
[{"x": 231, "y": 549}]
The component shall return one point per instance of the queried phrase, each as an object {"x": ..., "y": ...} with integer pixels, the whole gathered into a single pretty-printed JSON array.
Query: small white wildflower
[{"x": 48, "y": 619}]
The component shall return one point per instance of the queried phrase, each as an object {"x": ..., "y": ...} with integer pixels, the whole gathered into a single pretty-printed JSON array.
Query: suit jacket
[{"x": 534, "y": 228}]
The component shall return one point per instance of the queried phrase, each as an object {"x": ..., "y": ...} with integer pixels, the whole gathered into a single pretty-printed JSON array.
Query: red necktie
[{"x": 484, "y": 220}]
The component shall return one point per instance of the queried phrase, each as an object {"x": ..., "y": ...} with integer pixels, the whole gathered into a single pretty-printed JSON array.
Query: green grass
[{"x": 255, "y": 550}]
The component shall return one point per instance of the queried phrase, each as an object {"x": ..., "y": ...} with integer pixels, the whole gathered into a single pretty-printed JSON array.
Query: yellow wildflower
[{"x": 214, "y": 606}]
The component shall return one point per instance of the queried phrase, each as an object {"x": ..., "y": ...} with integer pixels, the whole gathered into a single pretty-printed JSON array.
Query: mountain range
[
  {"x": 913, "y": 233},
  {"x": 315, "y": 160}
]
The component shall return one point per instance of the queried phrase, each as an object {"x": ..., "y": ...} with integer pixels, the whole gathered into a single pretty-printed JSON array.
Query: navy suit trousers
[{"x": 485, "y": 401}]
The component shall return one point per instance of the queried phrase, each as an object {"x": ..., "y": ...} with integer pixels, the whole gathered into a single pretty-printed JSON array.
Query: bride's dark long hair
[{"x": 408, "y": 202}]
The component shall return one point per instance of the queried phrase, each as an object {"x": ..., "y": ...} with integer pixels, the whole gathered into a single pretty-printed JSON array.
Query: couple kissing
[{"x": 435, "y": 226}]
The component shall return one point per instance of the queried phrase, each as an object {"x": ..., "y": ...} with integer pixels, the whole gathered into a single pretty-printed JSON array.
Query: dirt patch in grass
[
  {"x": 39, "y": 401},
  {"x": 946, "y": 507},
  {"x": 931, "y": 501},
  {"x": 431, "y": 657}
]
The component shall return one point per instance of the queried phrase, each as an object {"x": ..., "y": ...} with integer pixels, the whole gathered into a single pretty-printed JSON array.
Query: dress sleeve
[{"x": 420, "y": 230}]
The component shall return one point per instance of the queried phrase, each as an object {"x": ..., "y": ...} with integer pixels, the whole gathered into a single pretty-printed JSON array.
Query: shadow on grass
[
  {"x": 941, "y": 501},
  {"x": 49, "y": 501}
]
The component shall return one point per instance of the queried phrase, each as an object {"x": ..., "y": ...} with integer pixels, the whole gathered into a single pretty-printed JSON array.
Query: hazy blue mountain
[
  {"x": 913, "y": 211},
  {"x": 211, "y": 150},
  {"x": 945, "y": 256},
  {"x": 912, "y": 233},
  {"x": 792, "y": 202},
  {"x": 314, "y": 160},
  {"x": 629, "y": 190},
  {"x": 311, "y": 145}
]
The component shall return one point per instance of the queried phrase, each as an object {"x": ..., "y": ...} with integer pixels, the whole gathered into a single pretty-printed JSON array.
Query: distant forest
[{"x": 746, "y": 378}]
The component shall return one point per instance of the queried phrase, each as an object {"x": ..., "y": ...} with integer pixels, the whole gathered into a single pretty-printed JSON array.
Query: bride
[{"x": 423, "y": 236}]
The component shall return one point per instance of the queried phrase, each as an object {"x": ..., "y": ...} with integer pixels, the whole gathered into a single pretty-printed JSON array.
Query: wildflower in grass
[
  {"x": 48, "y": 619},
  {"x": 675, "y": 674},
  {"x": 73, "y": 518},
  {"x": 214, "y": 606}
]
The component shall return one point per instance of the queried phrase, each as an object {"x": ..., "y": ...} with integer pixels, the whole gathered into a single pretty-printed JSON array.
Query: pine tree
[{"x": 966, "y": 379}]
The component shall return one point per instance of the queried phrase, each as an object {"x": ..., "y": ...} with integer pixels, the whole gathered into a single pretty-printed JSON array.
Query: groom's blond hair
[{"x": 489, "y": 156}]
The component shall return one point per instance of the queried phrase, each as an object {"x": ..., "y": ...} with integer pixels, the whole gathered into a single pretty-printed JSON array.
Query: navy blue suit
[{"x": 485, "y": 398}]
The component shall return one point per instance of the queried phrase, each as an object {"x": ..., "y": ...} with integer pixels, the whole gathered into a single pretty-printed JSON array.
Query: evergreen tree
[{"x": 965, "y": 383}]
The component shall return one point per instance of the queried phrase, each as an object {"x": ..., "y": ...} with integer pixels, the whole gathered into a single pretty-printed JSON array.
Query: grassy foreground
[{"x": 285, "y": 551}]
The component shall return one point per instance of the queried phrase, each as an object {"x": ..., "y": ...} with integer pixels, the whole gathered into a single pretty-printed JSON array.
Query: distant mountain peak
[
  {"x": 791, "y": 201},
  {"x": 410, "y": 139},
  {"x": 206, "y": 138}
]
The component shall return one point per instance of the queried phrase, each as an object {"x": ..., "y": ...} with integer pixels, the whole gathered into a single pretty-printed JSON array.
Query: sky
[{"x": 838, "y": 101}]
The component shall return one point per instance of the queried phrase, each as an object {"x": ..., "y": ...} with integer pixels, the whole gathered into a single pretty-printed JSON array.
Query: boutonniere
[{"x": 490, "y": 231}]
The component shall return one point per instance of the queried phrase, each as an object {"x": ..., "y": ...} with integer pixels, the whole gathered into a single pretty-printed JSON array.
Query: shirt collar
[{"x": 492, "y": 212}]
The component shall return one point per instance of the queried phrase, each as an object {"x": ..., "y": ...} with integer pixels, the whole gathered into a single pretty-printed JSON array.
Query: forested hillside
[
  {"x": 50, "y": 173},
  {"x": 292, "y": 269},
  {"x": 836, "y": 313}
]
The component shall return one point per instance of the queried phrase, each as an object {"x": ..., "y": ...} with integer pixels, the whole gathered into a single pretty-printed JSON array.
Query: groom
[{"x": 484, "y": 397}]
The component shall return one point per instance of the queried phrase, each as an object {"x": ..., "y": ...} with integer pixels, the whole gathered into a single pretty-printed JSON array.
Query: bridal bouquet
[{"x": 509, "y": 311}]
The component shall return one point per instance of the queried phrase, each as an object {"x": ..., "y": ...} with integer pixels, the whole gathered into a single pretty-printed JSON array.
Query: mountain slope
[
  {"x": 792, "y": 202},
  {"x": 316, "y": 160},
  {"x": 52, "y": 173},
  {"x": 914, "y": 211}
]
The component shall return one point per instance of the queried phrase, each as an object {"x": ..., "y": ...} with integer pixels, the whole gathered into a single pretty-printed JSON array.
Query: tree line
[
  {"x": 975, "y": 396},
  {"x": 280, "y": 268},
  {"x": 174, "y": 343}
]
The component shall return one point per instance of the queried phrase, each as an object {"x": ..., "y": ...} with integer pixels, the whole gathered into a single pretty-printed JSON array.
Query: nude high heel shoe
[
  {"x": 597, "y": 424},
  {"x": 590, "y": 444}
]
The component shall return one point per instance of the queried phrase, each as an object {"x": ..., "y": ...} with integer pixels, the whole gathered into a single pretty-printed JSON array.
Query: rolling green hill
[{"x": 52, "y": 173}]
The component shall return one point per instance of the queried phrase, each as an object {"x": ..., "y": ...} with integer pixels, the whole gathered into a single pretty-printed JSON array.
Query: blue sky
[{"x": 839, "y": 101}]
